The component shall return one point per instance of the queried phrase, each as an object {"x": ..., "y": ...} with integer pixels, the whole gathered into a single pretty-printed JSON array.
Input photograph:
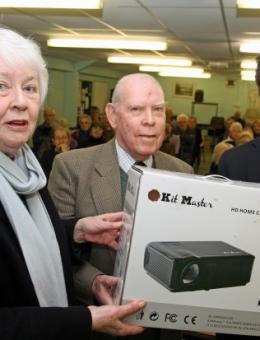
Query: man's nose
[{"x": 149, "y": 116}]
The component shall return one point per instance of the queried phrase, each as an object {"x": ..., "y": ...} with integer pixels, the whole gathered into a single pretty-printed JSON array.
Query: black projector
[{"x": 196, "y": 265}]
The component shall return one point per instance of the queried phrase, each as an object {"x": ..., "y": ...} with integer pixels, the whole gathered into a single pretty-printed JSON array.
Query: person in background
[
  {"x": 61, "y": 142},
  {"x": 228, "y": 143},
  {"x": 228, "y": 122},
  {"x": 95, "y": 114},
  {"x": 81, "y": 136},
  {"x": 95, "y": 135},
  {"x": 93, "y": 180},
  {"x": 242, "y": 164},
  {"x": 108, "y": 132},
  {"x": 196, "y": 130},
  {"x": 187, "y": 138},
  {"x": 37, "y": 296},
  {"x": 244, "y": 137},
  {"x": 238, "y": 118},
  {"x": 42, "y": 134},
  {"x": 256, "y": 128},
  {"x": 170, "y": 117},
  {"x": 171, "y": 142}
]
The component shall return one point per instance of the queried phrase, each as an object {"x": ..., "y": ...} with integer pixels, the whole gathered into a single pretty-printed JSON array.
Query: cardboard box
[{"x": 190, "y": 247}]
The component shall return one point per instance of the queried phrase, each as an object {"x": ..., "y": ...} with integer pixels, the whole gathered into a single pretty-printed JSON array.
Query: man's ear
[{"x": 111, "y": 115}]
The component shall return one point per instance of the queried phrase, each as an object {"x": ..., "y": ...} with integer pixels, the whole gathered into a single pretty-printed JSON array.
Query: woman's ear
[{"x": 111, "y": 115}]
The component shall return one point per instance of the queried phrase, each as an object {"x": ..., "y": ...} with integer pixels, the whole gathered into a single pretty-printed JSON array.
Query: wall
[
  {"x": 65, "y": 80},
  {"x": 64, "y": 85},
  {"x": 229, "y": 99}
]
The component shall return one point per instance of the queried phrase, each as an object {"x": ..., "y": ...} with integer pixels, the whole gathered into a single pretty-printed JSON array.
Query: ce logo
[{"x": 190, "y": 319}]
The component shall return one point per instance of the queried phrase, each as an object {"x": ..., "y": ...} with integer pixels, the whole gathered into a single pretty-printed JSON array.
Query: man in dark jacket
[{"x": 242, "y": 163}]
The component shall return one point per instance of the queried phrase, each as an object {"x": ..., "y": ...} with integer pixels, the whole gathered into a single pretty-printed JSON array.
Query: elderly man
[
  {"x": 93, "y": 181},
  {"x": 223, "y": 146}
]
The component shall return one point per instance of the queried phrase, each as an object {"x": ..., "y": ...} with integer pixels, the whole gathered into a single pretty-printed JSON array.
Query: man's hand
[
  {"x": 103, "y": 287},
  {"x": 102, "y": 229},
  {"x": 107, "y": 319}
]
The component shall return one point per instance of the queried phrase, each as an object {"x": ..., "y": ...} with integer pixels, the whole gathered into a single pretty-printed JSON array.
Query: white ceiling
[{"x": 204, "y": 30}]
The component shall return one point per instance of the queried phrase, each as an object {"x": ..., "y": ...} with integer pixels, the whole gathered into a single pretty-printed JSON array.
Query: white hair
[
  {"x": 182, "y": 116},
  {"x": 235, "y": 126},
  {"x": 14, "y": 48}
]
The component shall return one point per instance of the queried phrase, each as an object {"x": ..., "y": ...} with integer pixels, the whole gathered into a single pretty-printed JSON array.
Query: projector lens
[{"x": 190, "y": 273}]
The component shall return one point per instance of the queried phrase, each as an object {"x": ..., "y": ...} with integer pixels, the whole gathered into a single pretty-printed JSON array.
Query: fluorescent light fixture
[
  {"x": 167, "y": 61},
  {"x": 250, "y": 47},
  {"x": 218, "y": 64},
  {"x": 248, "y": 64},
  {"x": 61, "y": 4},
  {"x": 184, "y": 75},
  {"x": 109, "y": 43},
  {"x": 248, "y": 4},
  {"x": 248, "y": 78},
  {"x": 248, "y": 8},
  {"x": 248, "y": 73},
  {"x": 155, "y": 68}
]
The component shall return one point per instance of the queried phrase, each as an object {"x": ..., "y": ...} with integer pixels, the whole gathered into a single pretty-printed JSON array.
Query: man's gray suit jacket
[{"x": 86, "y": 182}]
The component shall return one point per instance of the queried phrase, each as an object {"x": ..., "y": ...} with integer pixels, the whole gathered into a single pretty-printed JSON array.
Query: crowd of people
[
  {"x": 184, "y": 138},
  {"x": 53, "y": 135},
  {"x": 70, "y": 229}
]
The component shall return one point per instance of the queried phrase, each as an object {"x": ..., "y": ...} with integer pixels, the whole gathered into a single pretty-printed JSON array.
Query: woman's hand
[
  {"x": 102, "y": 229},
  {"x": 108, "y": 319}
]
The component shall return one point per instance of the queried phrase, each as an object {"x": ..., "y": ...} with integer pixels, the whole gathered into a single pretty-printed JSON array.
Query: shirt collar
[{"x": 126, "y": 161}]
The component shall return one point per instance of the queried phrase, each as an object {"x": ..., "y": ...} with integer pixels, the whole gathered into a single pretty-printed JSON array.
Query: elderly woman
[{"x": 36, "y": 281}]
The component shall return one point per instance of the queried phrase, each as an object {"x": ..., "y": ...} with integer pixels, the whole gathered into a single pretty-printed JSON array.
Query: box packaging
[{"x": 190, "y": 247}]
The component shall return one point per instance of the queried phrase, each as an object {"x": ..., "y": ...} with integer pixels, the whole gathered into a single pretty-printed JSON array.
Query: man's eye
[
  {"x": 3, "y": 87},
  {"x": 158, "y": 109},
  {"x": 136, "y": 109}
]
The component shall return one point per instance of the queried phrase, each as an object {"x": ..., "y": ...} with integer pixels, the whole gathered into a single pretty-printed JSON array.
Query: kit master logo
[{"x": 168, "y": 197}]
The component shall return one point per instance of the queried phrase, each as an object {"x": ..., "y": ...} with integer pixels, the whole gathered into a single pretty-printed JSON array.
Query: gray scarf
[{"x": 32, "y": 226}]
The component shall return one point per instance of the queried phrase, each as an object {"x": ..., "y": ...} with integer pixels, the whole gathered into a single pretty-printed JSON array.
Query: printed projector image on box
[{"x": 197, "y": 265}]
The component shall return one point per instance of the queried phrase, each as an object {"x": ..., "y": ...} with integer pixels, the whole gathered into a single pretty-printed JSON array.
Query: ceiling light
[
  {"x": 248, "y": 4},
  {"x": 248, "y": 64},
  {"x": 154, "y": 68},
  {"x": 167, "y": 61},
  {"x": 184, "y": 75},
  {"x": 248, "y": 78},
  {"x": 109, "y": 43},
  {"x": 65, "y": 4},
  {"x": 250, "y": 47},
  {"x": 249, "y": 73},
  {"x": 218, "y": 64},
  {"x": 248, "y": 8}
]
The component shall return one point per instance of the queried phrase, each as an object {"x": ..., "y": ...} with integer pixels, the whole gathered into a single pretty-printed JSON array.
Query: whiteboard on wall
[
  {"x": 100, "y": 94},
  {"x": 204, "y": 112}
]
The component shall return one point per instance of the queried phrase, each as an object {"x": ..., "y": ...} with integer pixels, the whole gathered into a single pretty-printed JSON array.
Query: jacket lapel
[{"x": 106, "y": 186}]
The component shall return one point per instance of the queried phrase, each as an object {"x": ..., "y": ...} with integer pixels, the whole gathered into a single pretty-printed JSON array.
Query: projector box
[{"x": 190, "y": 247}]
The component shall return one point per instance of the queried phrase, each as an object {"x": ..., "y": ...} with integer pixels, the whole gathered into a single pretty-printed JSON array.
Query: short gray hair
[{"x": 15, "y": 47}]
